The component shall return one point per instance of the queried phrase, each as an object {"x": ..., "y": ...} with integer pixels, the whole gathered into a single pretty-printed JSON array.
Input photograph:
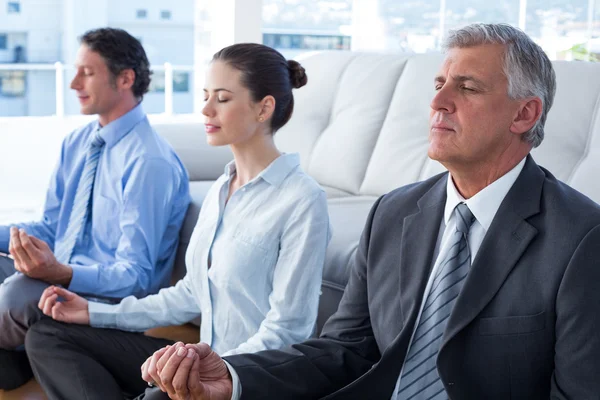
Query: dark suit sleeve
[
  {"x": 317, "y": 367},
  {"x": 577, "y": 352}
]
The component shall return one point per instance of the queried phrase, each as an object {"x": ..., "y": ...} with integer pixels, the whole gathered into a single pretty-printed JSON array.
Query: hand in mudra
[
  {"x": 73, "y": 309},
  {"x": 191, "y": 371}
]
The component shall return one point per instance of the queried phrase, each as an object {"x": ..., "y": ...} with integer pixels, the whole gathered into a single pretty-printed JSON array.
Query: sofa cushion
[
  {"x": 347, "y": 216},
  {"x": 198, "y": 192}
]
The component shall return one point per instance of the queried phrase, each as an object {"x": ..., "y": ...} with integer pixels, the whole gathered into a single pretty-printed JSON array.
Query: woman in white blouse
[{"x": 254, "y": 261}]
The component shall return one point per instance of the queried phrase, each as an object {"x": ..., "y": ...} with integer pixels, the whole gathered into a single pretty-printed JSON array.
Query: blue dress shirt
[
  {"x": 139, "y": 200},
  {"x": 260, "y": 289}
]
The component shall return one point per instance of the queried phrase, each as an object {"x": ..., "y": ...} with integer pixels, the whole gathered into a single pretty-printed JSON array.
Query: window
[
  {"x": 285, "y": 41},
  {"x": 181, "y": 82},
  {"x": 298, "y": 26},
  {"x": 165, "y": 14},
  {"x": 560, "y": 27},
  {"x": 12, "y": 83},
  {"x": 14, "y": 7},
  {"x": 141, "y": 14},
  {"x": 3, "y": 42}
]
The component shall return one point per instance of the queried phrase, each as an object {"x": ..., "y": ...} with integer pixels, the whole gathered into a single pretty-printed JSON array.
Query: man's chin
[
  {"x": 435, "y": 154},
  {"x": 87, "y": 111}
]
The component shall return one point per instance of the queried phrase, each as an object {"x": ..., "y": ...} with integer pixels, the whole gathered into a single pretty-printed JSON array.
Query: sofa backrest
[
  {"x": 361, "y": 122},
  {"x": 361, "y": 126}
]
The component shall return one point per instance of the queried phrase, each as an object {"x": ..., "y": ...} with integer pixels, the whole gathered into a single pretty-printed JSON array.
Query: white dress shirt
[{"x": 254, "y": 263}]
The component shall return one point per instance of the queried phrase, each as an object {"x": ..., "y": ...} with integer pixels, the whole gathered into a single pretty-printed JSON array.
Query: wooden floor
[
  {"x": 187, "y": 333},
  {"x": 30, "y": 391}
]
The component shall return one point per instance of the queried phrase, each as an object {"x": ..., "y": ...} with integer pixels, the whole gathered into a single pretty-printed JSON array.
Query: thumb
[
  {"x": 202, "y": 349},
  {"x": 195, "y": 385}
]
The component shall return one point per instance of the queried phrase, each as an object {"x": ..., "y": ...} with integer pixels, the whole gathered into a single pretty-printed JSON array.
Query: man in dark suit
[{"x": 480, "y": 283}]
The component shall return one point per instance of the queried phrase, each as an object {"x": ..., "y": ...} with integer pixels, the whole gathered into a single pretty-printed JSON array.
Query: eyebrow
[
  {"x": 461, "y": 78},
  {"x": 219, "y": 90}
]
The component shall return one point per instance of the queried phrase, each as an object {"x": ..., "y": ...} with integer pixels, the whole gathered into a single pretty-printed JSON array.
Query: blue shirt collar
[
  {"x": 275, "y": 173},
  {"x": 117, "y": 129}
]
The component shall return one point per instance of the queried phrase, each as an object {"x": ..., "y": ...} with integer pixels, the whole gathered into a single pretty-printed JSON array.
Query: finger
[
  {"x": 15, "y": 246},
  {"x": 18, "y": 267},
  {"x": 32, "y": 251},
  {"x": 154, "y": 370},
  {"x": 49, "y": 291},
  {"x": 65, "y": 294},
  {"x": 151, "y": 363},
  {"x": 183, "y": 373},
  {"x": 11, "y": 242},
  {"x": 167, "y": 372},
  {"x": 49, "y": 305},
  {"x": 203, "y": 350},
  {"x": 39, "y": 243},
  {"x": 144, "y": 371},
  {"x": 160, "y": 364},
  {"x": 56, "y": 312},
  {"x": 195, "y": 386}
]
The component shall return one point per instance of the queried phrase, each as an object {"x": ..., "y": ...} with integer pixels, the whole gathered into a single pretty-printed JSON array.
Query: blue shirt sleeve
[{"x": 150, "y": 193}]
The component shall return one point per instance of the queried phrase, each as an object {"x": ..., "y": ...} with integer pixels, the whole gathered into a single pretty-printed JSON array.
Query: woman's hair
[{"x": 266, "y": 72}]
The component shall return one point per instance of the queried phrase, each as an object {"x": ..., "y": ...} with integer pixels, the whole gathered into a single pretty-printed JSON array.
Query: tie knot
[
  {"x": 97, "y": 140},
  {"x": 464, "y": 218}
]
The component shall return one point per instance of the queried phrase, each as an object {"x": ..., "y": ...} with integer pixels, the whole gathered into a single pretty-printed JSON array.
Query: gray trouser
[{"x": 19, "y": 297}]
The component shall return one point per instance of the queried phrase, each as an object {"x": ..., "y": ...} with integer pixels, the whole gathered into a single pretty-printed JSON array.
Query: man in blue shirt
[{"x": 115, "y": 204}]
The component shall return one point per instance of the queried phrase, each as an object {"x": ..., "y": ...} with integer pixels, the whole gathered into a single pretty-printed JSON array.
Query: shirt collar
[
  {"x": 117, "y": 129},
  {"x": 486, "y": 202},
  {"x": 275, "y": 173}
]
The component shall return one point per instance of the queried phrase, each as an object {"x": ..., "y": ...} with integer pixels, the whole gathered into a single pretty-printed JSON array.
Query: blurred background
[
  {"x": 38, "y": 38},
  {"x": 38, "y": 43}
]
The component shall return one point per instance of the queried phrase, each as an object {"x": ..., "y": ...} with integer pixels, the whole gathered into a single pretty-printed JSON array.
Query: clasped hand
[
  {"x": 34, "y": 258},
  {"x": 189, "y": 371}
]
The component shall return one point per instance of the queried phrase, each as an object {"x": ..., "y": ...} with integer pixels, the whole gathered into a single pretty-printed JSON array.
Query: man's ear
[
  {"x": 266, "y": 108},
  {"x": 126, "y": 79},
  {"x": 527, "y": 115}
]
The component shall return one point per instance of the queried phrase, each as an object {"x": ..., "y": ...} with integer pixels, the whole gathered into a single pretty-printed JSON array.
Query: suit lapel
[
  {"x": 419, "y": 237},
  {"x": 505, "y": 242}
]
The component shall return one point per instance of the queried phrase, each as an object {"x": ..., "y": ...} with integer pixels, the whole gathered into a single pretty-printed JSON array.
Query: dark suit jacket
[{"x": 525, "y": 326}]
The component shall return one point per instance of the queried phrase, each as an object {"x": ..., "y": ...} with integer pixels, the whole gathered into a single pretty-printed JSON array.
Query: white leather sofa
[{"x": 361, "y": 126}]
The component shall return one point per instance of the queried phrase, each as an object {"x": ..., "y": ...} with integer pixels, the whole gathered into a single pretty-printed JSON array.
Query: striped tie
[
  {"x": 79, "y": 213},
  {"x": 420, "y": 379}
]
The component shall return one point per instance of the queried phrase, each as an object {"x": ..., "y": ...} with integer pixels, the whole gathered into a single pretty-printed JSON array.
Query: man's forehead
[
  {"x": 87, "y": 57},
  {"x": 477, "y": 61}
]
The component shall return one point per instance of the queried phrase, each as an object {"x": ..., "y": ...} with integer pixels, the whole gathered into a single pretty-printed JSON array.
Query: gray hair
[{"x": 526, "y": 66}]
